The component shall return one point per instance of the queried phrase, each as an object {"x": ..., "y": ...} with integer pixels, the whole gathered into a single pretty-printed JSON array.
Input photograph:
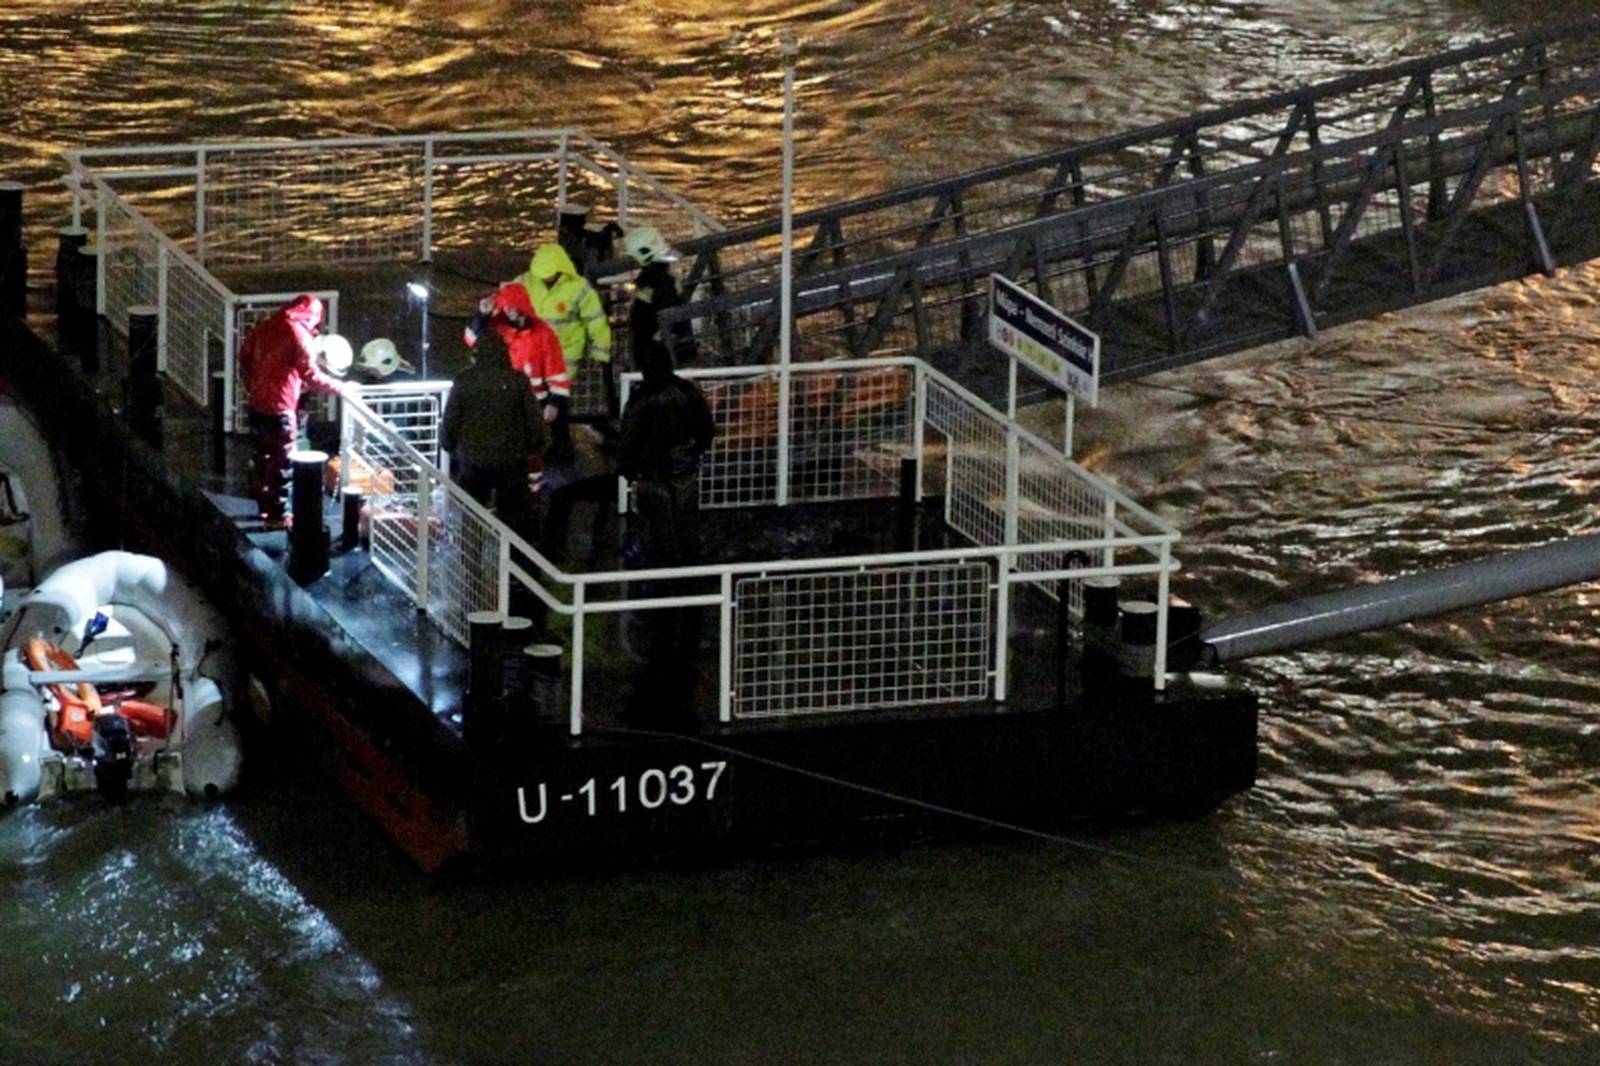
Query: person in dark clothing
[
  {"x": 278, "y": 363},
  {"x": 492, "y": 427},
  {"x": 654, "y": 291},
  {"x": 665, "y": 430}
]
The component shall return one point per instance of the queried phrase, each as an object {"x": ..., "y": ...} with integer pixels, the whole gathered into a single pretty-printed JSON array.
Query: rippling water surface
[{"x": 1415, "y": 878}]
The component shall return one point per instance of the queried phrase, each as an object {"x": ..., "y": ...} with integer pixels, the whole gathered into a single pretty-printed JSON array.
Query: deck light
[{"x": 418, "y": 292}]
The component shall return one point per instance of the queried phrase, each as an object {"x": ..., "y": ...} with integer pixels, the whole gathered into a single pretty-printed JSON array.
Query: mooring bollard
[
  {"x": 84, "y": 326},
  {"x": 142, "y": 388},
  {"x": 515, "y": 633},
  {"x": 1100, "y": 632},
  {"x": 216, "y": 401},
  {"x": 13, "y": 253},
  {"x": 485, "y": 675},
  {"x": 69, "y": 243},
  {"x": 1136, "y": 657},
  {"x": 308, "y": 534},
  {"x": 351, "y": 500},
  {"x": 906, "y": 509},
  {"x": 543, "y": 673}
]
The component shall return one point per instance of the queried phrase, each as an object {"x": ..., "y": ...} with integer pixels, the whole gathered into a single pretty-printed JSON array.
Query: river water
[{"x": 1415, "y": 877}]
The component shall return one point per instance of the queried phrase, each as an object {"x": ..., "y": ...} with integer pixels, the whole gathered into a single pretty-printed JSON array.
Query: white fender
[
  {"x": 22, "y": 740},
  {"x": 210, "y": 741},
  {"x": 25, "y": 452},
  {"x": 65, "y": 601}
]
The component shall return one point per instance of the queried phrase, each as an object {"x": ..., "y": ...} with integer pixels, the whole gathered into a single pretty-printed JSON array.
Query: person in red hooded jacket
[
  {"x": 277, "y": 362},
  {"x": 532, "y": 345}
]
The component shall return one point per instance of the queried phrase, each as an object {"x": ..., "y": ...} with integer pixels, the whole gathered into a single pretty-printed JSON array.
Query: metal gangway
[{"x": 1209, "y": 234}]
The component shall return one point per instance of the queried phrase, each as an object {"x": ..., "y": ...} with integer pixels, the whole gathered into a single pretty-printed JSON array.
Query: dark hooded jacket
[
  {"x": 276, "y": 358},
  {"x": 666, "y": 428},
  {"x": 491, "y": 418}
]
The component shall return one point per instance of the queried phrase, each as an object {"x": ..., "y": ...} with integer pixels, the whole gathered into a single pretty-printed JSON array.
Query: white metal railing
[
  {"x": 797, "y": 636},
  {"x": 321, "y": 201}
]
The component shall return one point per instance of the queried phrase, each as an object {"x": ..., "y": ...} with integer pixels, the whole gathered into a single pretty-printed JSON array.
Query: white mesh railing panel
[
  {"x": 132, "y": 262},
  {"x": 975, "y": 490},
  {"x": 390, "y": 479},
  {"x": 196, "y": 311},
  {"x": 464, "y": 562},
  {"x": 741, "y": 469},
  {"x": 849, "y": 431},
  {"x": 819, "y": 643},
  {"x": 314, "y": 203},
  {"x": 1054, "y": 503},
  {"x": 414, "y": 414}
]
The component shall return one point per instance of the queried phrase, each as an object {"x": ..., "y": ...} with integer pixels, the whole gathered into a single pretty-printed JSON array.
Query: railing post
[
  {"x": 200, "y": 207},
  {"x": 230, "y": 385},
  {"x": 427, "y": 200},
  {"x": 1163, "y": 587},
  {"x": 561, "y": 173},
  {"x": 1002, "y": 625},
  {"x": 575, "y": 721},
  {"x": 783, "y": 437},
  {"x": 424, "y": 540},
  {"x": 919, "y": 431},
  {"x": 1109, "y": 556},
  {"x": 1013, "y": 484},
  {"x": 725, "y": 653},
  {"x": 105, "y": 252},
  {"x": 346, "y": 444},
  {"x": 503, "y": 577},
  {"x": 75, "y": 191},
  {"x": 163, "y": 310}
]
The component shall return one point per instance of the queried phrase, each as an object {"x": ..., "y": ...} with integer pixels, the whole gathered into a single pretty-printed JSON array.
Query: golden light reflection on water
[{"x": 1427, "y": 824}]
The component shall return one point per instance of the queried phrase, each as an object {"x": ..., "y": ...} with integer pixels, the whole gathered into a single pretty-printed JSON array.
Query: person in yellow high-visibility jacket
[{"x": 563, "y": 298}]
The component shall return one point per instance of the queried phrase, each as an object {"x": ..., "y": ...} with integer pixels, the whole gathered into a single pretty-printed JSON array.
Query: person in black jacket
[
  {"x": 665, "y": 430},
  {"x": 654, "y": 292},
  {"x": 492, "y": 427}
]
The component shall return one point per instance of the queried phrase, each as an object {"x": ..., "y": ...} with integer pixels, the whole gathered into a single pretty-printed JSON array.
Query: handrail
[{"x": 1215, "y": 116}]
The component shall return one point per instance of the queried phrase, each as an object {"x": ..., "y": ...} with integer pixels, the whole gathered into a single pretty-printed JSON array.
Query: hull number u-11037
[{"x": 649, "y": 790}]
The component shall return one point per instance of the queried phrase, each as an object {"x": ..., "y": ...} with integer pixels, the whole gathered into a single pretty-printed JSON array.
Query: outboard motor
[{"x": 113, "y": 756}]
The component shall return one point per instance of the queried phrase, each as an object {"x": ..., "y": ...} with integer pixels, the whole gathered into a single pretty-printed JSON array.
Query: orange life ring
[{"x": 80, "y": 703}]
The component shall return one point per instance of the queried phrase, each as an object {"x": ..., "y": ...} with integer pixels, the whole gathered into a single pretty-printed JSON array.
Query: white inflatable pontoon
[{"x": 113, "y": 680}]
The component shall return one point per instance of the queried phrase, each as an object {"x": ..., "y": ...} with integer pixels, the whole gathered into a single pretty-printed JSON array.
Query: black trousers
[{"x": 502, "y": 486}]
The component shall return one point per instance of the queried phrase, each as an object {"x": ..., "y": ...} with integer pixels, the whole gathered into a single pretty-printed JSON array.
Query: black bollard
[
  {"x": 515, "y": 633},
  {"x": 542, "y": 671},
  {"x": 142, "y": 389},
  {"x": 216, "y": 401},
  {"x": 485, "y": 676},
  {"x": 69, "y": 262},
  {"x": 10, "y": 214},
  {"x": 1099, "y": 629},
  {"x": 351, "y": 501},
  {"x": 84, "y": 327},
  {"x": 13, "y": 253},
  {"x": 308, "y": 534},
  {"x": 906, "y": 510},
  {"x": 1136, "y": 657}
]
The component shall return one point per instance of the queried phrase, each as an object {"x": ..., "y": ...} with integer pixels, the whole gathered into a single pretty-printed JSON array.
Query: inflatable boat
[{"x": 114, "y": 680}]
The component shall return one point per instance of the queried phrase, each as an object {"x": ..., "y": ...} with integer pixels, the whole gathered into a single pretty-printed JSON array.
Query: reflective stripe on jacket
[{"x": 570, "y": 304}]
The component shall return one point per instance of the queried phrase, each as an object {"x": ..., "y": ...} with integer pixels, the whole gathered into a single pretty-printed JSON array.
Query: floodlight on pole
[{"x": 418, "y": 291}]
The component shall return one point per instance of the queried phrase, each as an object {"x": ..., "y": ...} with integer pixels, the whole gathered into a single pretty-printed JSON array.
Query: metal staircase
[{"x": 1210, "y": 234}]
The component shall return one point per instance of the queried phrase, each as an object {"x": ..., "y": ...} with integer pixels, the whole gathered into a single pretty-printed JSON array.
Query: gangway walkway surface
[{"x": 1205, "y": 235}]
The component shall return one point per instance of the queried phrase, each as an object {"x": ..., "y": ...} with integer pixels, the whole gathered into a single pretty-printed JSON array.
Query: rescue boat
[{"x": 114, "y": 679}]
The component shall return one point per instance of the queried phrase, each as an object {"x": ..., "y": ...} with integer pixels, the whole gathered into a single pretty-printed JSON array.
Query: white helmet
[
  {"x": 380, "y": 357},
  {"x": 334, "y": 351},
  {"x": 646, "y": 245}
]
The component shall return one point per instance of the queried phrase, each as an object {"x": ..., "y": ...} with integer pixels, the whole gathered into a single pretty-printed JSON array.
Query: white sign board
[{"x": 1044, "y": 340}]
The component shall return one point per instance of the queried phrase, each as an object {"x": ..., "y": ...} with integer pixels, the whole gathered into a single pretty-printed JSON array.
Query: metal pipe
[{"x": 1299, "y": 623}]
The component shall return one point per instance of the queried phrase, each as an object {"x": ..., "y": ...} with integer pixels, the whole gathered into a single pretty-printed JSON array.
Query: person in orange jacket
[
  {"x": 277, "y": 361},
  {"x": 532, "y": 346}
]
